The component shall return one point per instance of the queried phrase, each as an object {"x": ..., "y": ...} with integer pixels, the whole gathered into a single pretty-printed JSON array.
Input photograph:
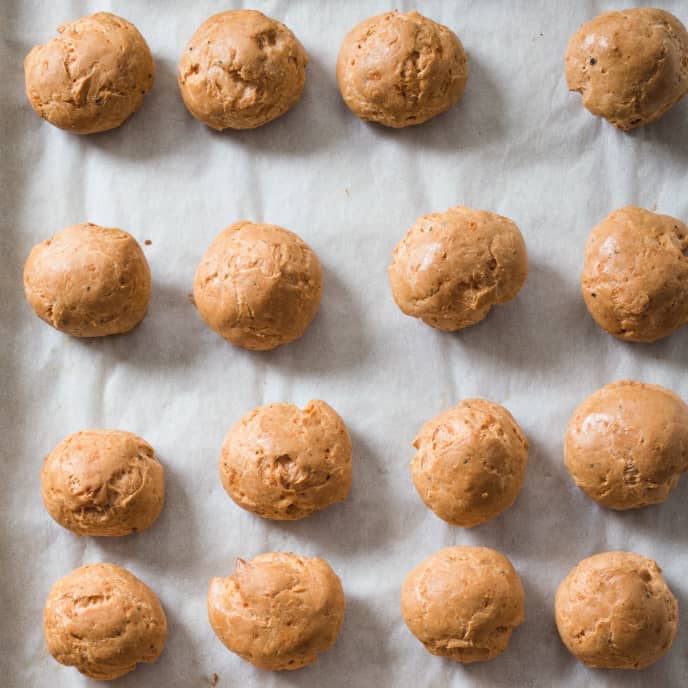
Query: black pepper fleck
[{"x": 593, "y": 61}]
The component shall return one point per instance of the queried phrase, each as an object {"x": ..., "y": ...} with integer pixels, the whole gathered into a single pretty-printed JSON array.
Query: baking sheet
[{"x": 517, "y": 144}]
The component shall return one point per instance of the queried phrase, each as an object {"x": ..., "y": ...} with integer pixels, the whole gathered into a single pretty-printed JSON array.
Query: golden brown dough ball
[
  {"x": 258, "y": 285},
  {"x": 91, "y": 77},
  {"x": 103, "y": 482},
  {"x": 627, "y": 444},
  {"x": 631, "y": 66},
  {"x": 463, "y": 603},
  {"x": 241, "y": 70},
  {"x": 103, "y": 620},
  {"x": 451, "y": 268},
  {"x": 635, "y": 274},
  {"x": 401, "y": 69},
  {"x": 284, "y": 463},
  {"x": 278, "y": 611},
  {"x": 615, "y": 611},
  {"x": 88, "y": 281},
  {"x": 470, "y": 462}
]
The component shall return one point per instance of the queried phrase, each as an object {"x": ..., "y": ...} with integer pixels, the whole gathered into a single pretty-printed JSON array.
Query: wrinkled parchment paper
[{"x": 518, "y": 144}]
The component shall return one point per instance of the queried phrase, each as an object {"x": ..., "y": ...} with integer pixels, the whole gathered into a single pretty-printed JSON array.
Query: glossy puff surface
[
  {"x": 258, "y": 285},
  {"x": 631, "y": 66},
  {"x": 401, "y": 69},
  {"x": 241, "y": 70},
  {"x": 88, "y": 281},
  {"x": 103, "y": 482},
  {"x": 103, "y": 620},
  {"x": 614, "y": 610},
  {"x": 463, "y": 603},
  {"x": 451, "y": 268},
  {"x": 470, "y": 462},
  {"x": 92, "y": 76},
  {"x": 635, "y": 274},
  {"x": 627, "y": 444},
  {"x": 278, "y": 611}
]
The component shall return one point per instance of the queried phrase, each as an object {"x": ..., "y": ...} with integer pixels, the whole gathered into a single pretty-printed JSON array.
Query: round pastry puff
[
  {"x": 463, "y": 603},
  {"x": 401, "y": 69},
  {"x": 103, "y": 482},
  {"x": 284, "y": 463},
  {"x": 278, "y": 611},
  {"x": 470, "y": 462},
  {"x": 627, "y": 444},
  {"x": 631, "y": 66},
  {"x": 635, "y": 274},
  {"x": 451, "y": 268},
  {"x": 102, "y": 620},
  {"x": 88, "y": 281},
  {"x": 614, "y": 610},
  {"x": 258, "y": 285},
  {"x": 241, "y": 70},
  {"x": 91, "y": 77}
]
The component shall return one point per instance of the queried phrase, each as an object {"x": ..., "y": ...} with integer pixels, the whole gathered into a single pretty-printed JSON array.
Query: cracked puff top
[
  {"x": 630, "y": 66},
  {"x": 258, "y": 285},
  {"x": 401, "y": 69},
  {"x": 463, "y": 603},
  {"x": 241, "y": 70},
  {"x": 452, "y": 267},
  {"x": 614, "y": 610},
  {"x": 627, "y": 444},
  {"x": 285, "y": 463},
  {"x": 278, "y": 611},
  {"x": 91, "y": 77},
  {"x": 103, "y": 620},
  {"x": 103, "y": 482}
]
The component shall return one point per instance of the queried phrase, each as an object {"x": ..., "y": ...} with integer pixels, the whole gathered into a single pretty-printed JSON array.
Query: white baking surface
[{"x": 518, "y": 144}]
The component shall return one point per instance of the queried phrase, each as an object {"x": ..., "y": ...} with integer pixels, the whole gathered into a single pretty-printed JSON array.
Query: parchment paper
[{"x": 518, "y": 144}]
